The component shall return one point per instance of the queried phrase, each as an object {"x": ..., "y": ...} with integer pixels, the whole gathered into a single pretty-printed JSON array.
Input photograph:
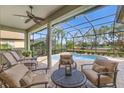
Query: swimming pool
[{"x": 76, "y": 57}]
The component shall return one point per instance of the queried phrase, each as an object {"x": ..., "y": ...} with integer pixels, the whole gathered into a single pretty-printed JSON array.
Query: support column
[
  {"x": 73, "y": 45},
  {"x": 0, "y": 40},
  {"x": 66, "y": 44},
  {"x": 33, "y": 47},
  {"x": 49, "y": 39},
  {"x": 27, "y": 41}
]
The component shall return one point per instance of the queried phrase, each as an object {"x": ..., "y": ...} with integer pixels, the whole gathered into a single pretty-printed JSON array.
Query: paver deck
[{"x": 120, "y": 78}]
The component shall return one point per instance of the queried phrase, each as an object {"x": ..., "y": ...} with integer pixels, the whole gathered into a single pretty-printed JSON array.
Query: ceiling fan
[{"x": 31, "y": 16}]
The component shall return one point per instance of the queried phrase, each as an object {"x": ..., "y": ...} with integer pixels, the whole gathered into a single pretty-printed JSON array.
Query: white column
[
  {"x": 27, "y": 41},
  {"x": 49, "y": 39}
]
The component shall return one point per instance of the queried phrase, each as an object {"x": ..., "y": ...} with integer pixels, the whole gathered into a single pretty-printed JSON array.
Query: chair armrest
[
  {"x": 42, "y": 60},
  {"x": 86, "y": 64},
  {"x": 104, "y": 73},
  {"x": 82, "y": 66},
  {"x": 46, "y": 69},
  {"x": 28, "y": 62},
  {"x": 107, "y": 73},
  {"x": 20, "y": 60},
  {"x": 28, "y": 86},
  {"x": 74, "y": 65}
]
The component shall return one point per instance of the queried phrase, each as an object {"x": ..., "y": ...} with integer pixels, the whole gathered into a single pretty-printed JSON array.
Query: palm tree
[
  {"x": 102, "y": 34},
  {"x": 119, "y": 28},
  {"x": 70, "y": 44},
  {"x": 59, "y": 35}
]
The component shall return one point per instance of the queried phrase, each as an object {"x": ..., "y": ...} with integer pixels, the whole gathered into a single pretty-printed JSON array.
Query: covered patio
[{"x": 86, "y": 30}]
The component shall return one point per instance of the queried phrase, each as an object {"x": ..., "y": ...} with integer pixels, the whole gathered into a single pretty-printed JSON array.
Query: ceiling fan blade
[
  {"x": 27, "y": 20},
  {"x": 36, "y": 21},
  {"x": 20, "y": 15},
  {"x": 39, "y": 18},
  {"x": 29, "y": 14}
]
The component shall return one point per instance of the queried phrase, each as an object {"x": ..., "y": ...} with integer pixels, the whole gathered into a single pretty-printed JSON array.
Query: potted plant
[{"x": 26, "y": 53}]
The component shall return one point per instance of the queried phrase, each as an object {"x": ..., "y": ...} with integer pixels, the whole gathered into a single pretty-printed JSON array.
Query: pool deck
[{"x": 120, "y": 78}]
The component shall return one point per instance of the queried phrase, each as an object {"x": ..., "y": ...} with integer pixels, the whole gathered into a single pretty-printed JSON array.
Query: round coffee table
[{"x": 77, "y": 79}]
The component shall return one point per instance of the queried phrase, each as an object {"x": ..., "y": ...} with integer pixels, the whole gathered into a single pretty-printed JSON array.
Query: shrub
[
  {"x": 26, "y": 53},
  {"x": 121, "y": 49},
  {"x": 121, "y": 54}
]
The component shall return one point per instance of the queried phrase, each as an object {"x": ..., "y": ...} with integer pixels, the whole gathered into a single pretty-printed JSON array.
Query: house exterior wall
[
  {"x": 11, "y": 35},
  {"x": 15, "y": 39}
]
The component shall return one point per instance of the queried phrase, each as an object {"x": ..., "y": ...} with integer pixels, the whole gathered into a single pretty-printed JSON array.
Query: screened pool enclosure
[{"x": 95, "y": 31}]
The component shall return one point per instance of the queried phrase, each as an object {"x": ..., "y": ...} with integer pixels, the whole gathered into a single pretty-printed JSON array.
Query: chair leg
[
  {"x": 98, "y": 83},
  {"x": 115, "y": 85},
  {"x": 45, "y": 85},
  {"x": 98, "y": 86},
  {"x": 56, "y": 86},
  {"x": 35, "y": 66},
  {"x": 46, "y": 71},
  {"x": 85, "y": 86}
]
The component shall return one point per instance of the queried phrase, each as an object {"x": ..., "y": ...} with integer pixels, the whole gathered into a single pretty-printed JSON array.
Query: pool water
[
  {"x": 55, "y": 57},
  {"x": 76, "y": 57}
]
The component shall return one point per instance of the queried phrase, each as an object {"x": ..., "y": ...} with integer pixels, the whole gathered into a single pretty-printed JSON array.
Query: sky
[{"x": 101, "y": 12}]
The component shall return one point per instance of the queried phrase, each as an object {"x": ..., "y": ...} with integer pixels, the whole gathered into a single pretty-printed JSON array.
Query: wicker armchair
[
  {"x": 19, "y": 76},
  {"x": 103, "y": 73}
]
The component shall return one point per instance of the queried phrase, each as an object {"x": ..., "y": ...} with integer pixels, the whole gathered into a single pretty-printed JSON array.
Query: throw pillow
[{"x": 99, "y": 68}]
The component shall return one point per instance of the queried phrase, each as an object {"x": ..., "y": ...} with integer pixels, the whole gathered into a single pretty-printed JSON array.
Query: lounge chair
[
  {"x": 18, "y": 58},
  {"x": 66, "y": 59},
  {"x": 19, "y": 76},
  {"x": 102, "y": 73},
  {"x": 12, "y": 61}
]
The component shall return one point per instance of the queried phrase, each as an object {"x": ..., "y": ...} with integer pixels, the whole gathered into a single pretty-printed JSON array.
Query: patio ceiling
[
  {"x": 7, "y": 12},
  {"x": 54, "y": 13}
]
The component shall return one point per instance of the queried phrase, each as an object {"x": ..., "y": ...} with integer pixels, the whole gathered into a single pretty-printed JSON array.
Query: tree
[
  {"x": 69, "y": 44},
  {"x": 59, "y": 35},
  {"x": 40, "y": 47}
]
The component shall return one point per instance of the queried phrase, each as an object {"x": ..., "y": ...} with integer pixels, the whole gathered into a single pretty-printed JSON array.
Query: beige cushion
[
  {"x": 16, "y": 56},
  {"x": 92, "y": 76},
  {"x": 28, "y": 61},
  {"x": 110, "y": 65},
  {"x": 31, "y": 78},
  {"x": 27, "y": 79},
  {"x": 99, "y": 68},
  {"x": 100, "y": 61},
  {"x": 10, "y": 58},
  {"x": 66, "y": 53},
  {"x": 66, "y": 59},
  {"x": 29, "y": 58},
  {"x": 13, "y": 75},
  {"x": 40, "y": 78},
  {"x": 66, "y": 56}
]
